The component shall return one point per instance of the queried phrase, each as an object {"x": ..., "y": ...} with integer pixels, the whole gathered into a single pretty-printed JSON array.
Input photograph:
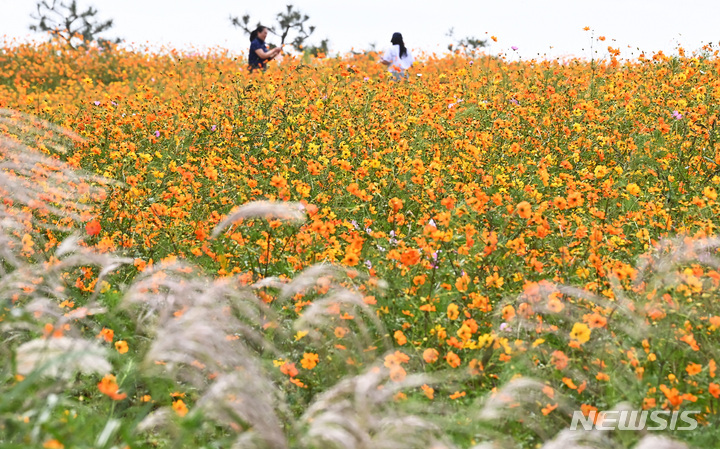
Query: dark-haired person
[
  {"x": 259, "y": 53},
  {"x": 398, "y": 58}
]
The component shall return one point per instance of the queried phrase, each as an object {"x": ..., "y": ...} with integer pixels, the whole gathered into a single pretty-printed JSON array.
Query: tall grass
[{"x": 224, "y": 347}]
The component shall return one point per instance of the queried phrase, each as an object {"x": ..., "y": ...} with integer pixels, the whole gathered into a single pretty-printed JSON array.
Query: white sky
[{"x": 539, "y": 28}]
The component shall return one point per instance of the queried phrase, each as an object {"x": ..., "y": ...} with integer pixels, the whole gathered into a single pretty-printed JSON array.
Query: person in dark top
[{"x": 259, "y": 53}]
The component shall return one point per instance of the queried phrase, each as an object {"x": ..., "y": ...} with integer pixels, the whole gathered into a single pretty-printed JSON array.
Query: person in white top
[{"x": 397, "y": 58}]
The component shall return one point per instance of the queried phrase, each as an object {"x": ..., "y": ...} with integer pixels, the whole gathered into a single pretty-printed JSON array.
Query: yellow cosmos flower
[
  {"x": 580, "y": 333},
  {"x": 633, "y": 189}
]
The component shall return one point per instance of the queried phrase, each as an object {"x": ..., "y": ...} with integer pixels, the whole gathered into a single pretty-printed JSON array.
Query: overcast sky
[{"x": 538, "y": 28}]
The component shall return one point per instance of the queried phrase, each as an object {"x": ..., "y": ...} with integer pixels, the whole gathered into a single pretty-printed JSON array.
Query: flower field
[{"x": 484, "y": 223}]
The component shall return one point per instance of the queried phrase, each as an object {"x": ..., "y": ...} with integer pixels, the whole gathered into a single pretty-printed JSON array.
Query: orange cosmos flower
[
  {"x": 310, "y": 360},
  {"x": 410, "y": 257},
  {"x": 559, "y": 359},
  {"x": 690, "y": 340},
  {"x": 693, "y": 368},
  {"x": 452, "y": 359},
  {"x": 672, "y": 395},
  {"x": 201, "y": 234},
  {"x": 430, "y": 355},
  {"x": 428, "y": 391},
  {"x": 180, "y": 407},
  {"x": 457, "y": 395},
  {"x": 393, "y": 363},
  {"x": 524, "y": 210},
  {"x": 289, "y": 369},
  {"x": 465, "y": 332},
  {"x": 452, "y": 311},
  {"x": 351, "y": 259},
  {"x": 462, "y": 282},
  {"x": 395, "y": 204},
  {"x": 109, "y": 387},
  {"x": 595, "y": 320},
  {"x": 494, "y": 280},
  {"x": 575, "y": 199},
  {"x": 555, "y": 305},
  {"x": 106, "y": 334},
  {"x": 633, "y": 189},
  {"x": 508, "y": 312},
  {"x": 714, "y": 389},
  {"x": 549, "y": 408},
  {"x": 92, "y": 228},
  {"x": 710, "y": 193},
  {"x": 278, "y": 181},
  {"x": 448, "y": 202},
  {"x": 121, "y": 346}
]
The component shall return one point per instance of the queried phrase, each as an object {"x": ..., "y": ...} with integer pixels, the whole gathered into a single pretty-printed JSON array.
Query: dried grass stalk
[
  {"x": 293, "y": 212},
  {"x": 248, "y": 400},
  {"x": 359, "y": 412},
  {"x": 61, "y": 357}
]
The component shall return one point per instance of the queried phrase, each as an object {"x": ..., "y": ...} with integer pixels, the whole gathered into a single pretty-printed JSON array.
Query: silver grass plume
[
  {"x": 30, "y": 176},
  {"x": 360, "y": 412},
  {"x": 659, "y": 268},
  {"x": 293, "y": 212},
  {"x": 658, "y": 442},
  {"x": 247, "y": 399},
  {"x": 40, "y": 192},
  {"x": 342, "y": 306},
  {"x": 36, "y": 133},
  {"x": 61, "y": 357},
  {"x": 38, "y": 289},
  {"x": 198, "y": 326},
  {"x": 596, "y": 439}
]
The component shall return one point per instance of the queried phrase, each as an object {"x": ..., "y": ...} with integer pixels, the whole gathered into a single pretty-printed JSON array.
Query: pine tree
[{"x": 65, "y": 22}]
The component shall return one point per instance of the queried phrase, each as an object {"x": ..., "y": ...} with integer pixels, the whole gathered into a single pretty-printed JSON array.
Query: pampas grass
[
  {"x": 61, "y": 357},
  {"x": 221, "y": 340}
]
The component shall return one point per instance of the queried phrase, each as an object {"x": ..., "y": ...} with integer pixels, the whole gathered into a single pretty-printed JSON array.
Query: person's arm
[
  {"x": 268, "y": 54},
  {"x": 386, "y": 58}
]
